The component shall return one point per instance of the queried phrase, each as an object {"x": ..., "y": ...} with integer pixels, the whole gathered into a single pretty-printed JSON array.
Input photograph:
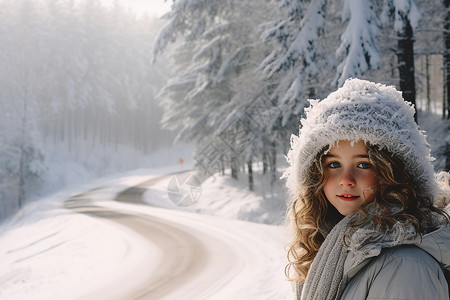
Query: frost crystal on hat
[{"x": 367, "y": 111}]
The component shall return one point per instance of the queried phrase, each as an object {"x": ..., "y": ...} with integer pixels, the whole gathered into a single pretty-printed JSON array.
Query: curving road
[{"x": 197, "y": 260}]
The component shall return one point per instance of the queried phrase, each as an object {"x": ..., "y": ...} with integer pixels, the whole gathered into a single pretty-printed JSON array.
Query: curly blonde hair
[{"x": 311, "y": 216}]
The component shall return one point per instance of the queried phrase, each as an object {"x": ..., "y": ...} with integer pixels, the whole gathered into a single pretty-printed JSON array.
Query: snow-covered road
[
  {"x": 198, "y": 257},
  {"x": 131, "y": 250},
  {"x": 193, "y": 262}
]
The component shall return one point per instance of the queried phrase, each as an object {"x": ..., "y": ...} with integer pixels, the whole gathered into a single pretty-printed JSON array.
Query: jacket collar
[{"x": 366, "y": 242}]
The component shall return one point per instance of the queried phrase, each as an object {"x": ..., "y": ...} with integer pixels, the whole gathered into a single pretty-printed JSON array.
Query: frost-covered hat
[{"x": 361, "y": 110}]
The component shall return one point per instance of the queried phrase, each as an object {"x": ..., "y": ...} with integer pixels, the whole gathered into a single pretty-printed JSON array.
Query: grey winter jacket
[{"x": 402, "y": 272}]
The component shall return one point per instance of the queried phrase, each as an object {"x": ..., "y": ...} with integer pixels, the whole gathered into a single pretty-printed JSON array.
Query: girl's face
[{"x": 350, "y": 177}]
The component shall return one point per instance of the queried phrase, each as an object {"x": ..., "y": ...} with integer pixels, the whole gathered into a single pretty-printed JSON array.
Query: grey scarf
[{"x": 324, "y": 279}]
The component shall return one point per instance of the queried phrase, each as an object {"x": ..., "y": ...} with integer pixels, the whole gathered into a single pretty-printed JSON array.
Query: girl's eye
[
  {"x": 334, "y": 165},
  {"x": 364, "y": 165}
]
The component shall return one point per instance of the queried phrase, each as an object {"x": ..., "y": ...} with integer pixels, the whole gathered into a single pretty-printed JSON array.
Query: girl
[{"x": 366, "y": 210}]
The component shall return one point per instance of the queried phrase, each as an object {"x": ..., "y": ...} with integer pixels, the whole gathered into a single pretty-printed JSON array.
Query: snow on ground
[
  {"x": 67, "y": 254},
  {"x": 261, "y": 246},
  {"x": 48, "y": 252},
  {"x": 221, "y": 195}
]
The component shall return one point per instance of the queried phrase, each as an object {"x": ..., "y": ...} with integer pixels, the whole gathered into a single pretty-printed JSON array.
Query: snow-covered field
[{"x": 49, "y": 252}]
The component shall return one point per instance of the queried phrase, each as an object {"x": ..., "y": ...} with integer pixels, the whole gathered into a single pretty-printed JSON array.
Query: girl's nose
[{"x": 347, "y": 179}]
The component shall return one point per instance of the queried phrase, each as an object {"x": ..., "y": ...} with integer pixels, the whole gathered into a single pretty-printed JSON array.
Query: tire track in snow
[{"x": 188, "y": 255}]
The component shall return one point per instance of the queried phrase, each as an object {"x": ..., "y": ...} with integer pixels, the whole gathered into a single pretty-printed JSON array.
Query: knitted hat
[{"x": 367, "y": 111}]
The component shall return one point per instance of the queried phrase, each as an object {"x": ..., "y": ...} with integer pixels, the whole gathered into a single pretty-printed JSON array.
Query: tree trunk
[
  {"x": 444, "y": 92},
  {"x": 446, "y": 100},
  {"x": 85, "y": 124},
  {"x": 234, "y": 168},
  {"x": 446, "y": 113},
  {"x": 405, "y": 55},
  {"x": 274, "y": 163},
  {"x": 250, "y": 175},
  {"x": 69, "y": 130},
  {"x": 264, "y": 160},
  {"x": 447, "y": 157},
  {"x": 116, "y": 132},
  {"x": 21, "y": 194},
  {"x": 427, "y": 68}
]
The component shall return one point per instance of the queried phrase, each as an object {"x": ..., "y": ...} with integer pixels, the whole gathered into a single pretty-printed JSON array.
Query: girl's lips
[{"x": 348, "y": 197}]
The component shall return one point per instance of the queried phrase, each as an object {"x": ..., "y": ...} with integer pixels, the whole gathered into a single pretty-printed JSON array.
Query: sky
[{"x": 151, "y": 7}]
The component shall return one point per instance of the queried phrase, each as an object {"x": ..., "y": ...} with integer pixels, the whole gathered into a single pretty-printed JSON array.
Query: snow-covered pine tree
[
  {"x": 20, "y": 88},
  {"x": 210, "y": 99},
  {"x": 406, "y": 17},
  {"x": 302, "y": 62},
  {"x": 358, "y": 51},
  {"x": 193, "y": 92},
  {"x": 297, "y": 56},
  {"x": 299, "y": 63},
  {"x": 190, "y": 98},
  {"x": 250, "y": 107}
]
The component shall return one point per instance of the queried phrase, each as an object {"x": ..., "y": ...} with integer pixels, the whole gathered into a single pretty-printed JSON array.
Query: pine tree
[
  {"x": 446, "y": 33},
  {"x": 406, "y": 18},
  {"x": 210, "y": 101},
  {"x": 297, "y": 55},
  {"x": 358, "y": 51}
]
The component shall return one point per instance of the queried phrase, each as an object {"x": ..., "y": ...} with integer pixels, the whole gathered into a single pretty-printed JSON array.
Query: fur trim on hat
[{"x": 367, "y": 111}]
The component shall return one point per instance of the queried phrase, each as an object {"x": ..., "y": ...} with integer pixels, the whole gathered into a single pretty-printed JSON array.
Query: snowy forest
[
  {"x": 230, "y": 77},
  {"x": 246, "y": 69},
  {"x": 75, "y": 79}
]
